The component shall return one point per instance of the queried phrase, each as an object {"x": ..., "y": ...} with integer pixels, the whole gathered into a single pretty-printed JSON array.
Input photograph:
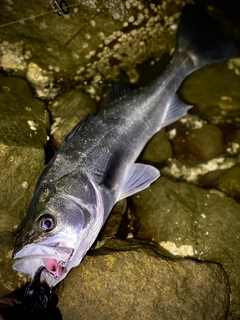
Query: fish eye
[{"x": 46, "y": 222}]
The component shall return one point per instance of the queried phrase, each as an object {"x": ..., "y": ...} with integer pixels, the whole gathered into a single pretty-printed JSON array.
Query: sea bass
[{"x": 95, "y": 166}]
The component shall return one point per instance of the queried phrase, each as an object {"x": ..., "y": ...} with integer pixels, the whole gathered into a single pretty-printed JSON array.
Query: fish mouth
[{"x": 54, "y": 259}]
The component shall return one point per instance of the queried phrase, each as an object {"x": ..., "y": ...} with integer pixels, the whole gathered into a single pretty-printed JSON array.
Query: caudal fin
[{"x": 196, "y": 36}]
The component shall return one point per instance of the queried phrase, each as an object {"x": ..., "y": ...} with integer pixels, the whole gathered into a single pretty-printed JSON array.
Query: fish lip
[
  {"x": 28, "y": 259},
  {"x": 41, "y": 261}
]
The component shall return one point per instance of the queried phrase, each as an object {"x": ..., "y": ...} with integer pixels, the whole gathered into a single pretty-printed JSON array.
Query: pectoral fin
[
  {"x": 139, "y": 177},
  {"x": 124, "y": 179}
]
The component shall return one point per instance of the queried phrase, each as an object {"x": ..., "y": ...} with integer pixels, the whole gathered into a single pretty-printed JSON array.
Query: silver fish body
[{"x": 95, "y": 166}]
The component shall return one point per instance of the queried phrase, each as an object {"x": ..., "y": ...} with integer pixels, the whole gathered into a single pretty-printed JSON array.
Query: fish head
[{"x": 58, "y": 232}]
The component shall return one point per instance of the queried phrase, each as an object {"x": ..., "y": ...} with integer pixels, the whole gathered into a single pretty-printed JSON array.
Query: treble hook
[{"x": 60, "y": 8}]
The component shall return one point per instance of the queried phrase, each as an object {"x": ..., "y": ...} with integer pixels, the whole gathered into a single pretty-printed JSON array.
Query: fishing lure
[
  {"x": 37, "y": 296},
  {"x": 60, "y": 8}
]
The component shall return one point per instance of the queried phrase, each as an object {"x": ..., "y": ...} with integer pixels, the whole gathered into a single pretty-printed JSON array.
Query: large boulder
[
  {"x": 133, "y": 280},
  {"x": 191, "y": 222}
]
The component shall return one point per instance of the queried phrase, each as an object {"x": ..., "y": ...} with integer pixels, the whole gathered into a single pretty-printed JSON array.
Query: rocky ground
[{"x": 171, "y": 251}]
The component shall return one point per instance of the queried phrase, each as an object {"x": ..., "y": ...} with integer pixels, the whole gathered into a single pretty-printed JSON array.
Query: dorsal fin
[
  {"x": 77, "y": 128},
  {"x": 117, "y": 91}
]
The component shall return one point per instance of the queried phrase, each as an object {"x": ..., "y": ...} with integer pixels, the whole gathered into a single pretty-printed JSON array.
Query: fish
[{"x": 95, "y": 166}]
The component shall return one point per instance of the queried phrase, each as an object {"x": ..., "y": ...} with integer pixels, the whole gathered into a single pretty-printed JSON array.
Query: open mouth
[
  {"x": 54, "y": 267},
  {"x": 53, "y": 259}
]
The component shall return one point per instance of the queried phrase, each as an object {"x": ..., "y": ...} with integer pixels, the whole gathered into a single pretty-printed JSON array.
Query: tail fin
[{"x": 196, "y": 36}]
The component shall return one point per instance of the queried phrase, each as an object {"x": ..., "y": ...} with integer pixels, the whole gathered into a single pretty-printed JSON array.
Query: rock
[
  {"x": 158, "y": 150},
  {"x": 227, "y": 181},
  {"x": 67, "y": 110},
  {"x": 190, "y": 221},
  {"x": 133, "y": 280},
  {"x": 205, "y": 143},
  {"x": 116, "y": 222},
  {"x": 200, "y": 148},
  {"x": 9, "y": 280},
  {"x": 217, "y": 100},
  {"x": 23, "y": 136},
  {"x": 198, "y": 145},
  {"x": 93, "y": 42}
]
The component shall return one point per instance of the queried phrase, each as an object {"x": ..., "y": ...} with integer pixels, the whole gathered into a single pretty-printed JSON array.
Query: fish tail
[
  {"x": 197, "y": 45},
  {"x": 197, "y": 35}
]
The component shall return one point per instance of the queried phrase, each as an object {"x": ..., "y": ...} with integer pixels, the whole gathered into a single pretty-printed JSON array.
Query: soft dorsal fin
[
  {"x": 175, "y": 110},
  {"x": 138, "y": 178}
]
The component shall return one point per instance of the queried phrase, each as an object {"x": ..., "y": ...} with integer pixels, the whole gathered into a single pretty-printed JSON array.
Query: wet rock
[
  {"x": 116, "y": 223},
  {"x": 218, "y": 100},
  {"x": 234, "y": 143},
  {"x": 227, "y": 181},
  {"x": 190, "y": 221},
  {"x": 158, "y": 150},
  {"x": 205, "y": 143},
  {"x": 94, "y": 41},
  {"x": 177, "y": 170},
  {"x": 198, "y": 145},
  {"x": 67, "y": 110},
  {"x": 9, "y": 280},
  {"x": 200, "y": 148},
  {"x": 23, "y": 136},
  {"x": 133, "y": 280}
]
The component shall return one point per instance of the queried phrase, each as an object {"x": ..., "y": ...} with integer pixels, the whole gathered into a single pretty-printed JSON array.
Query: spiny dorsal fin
[{"x": 77, "y": 128}]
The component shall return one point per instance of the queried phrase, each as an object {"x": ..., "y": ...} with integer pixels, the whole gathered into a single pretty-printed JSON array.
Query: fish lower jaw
[{"x": 55, "y": 268}]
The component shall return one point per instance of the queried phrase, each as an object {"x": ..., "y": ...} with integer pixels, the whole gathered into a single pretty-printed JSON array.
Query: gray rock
[
  {"x": 190, "y": 221},
  {"x": 133, "y": 280},
  {"x": 23, "y": 136}
]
